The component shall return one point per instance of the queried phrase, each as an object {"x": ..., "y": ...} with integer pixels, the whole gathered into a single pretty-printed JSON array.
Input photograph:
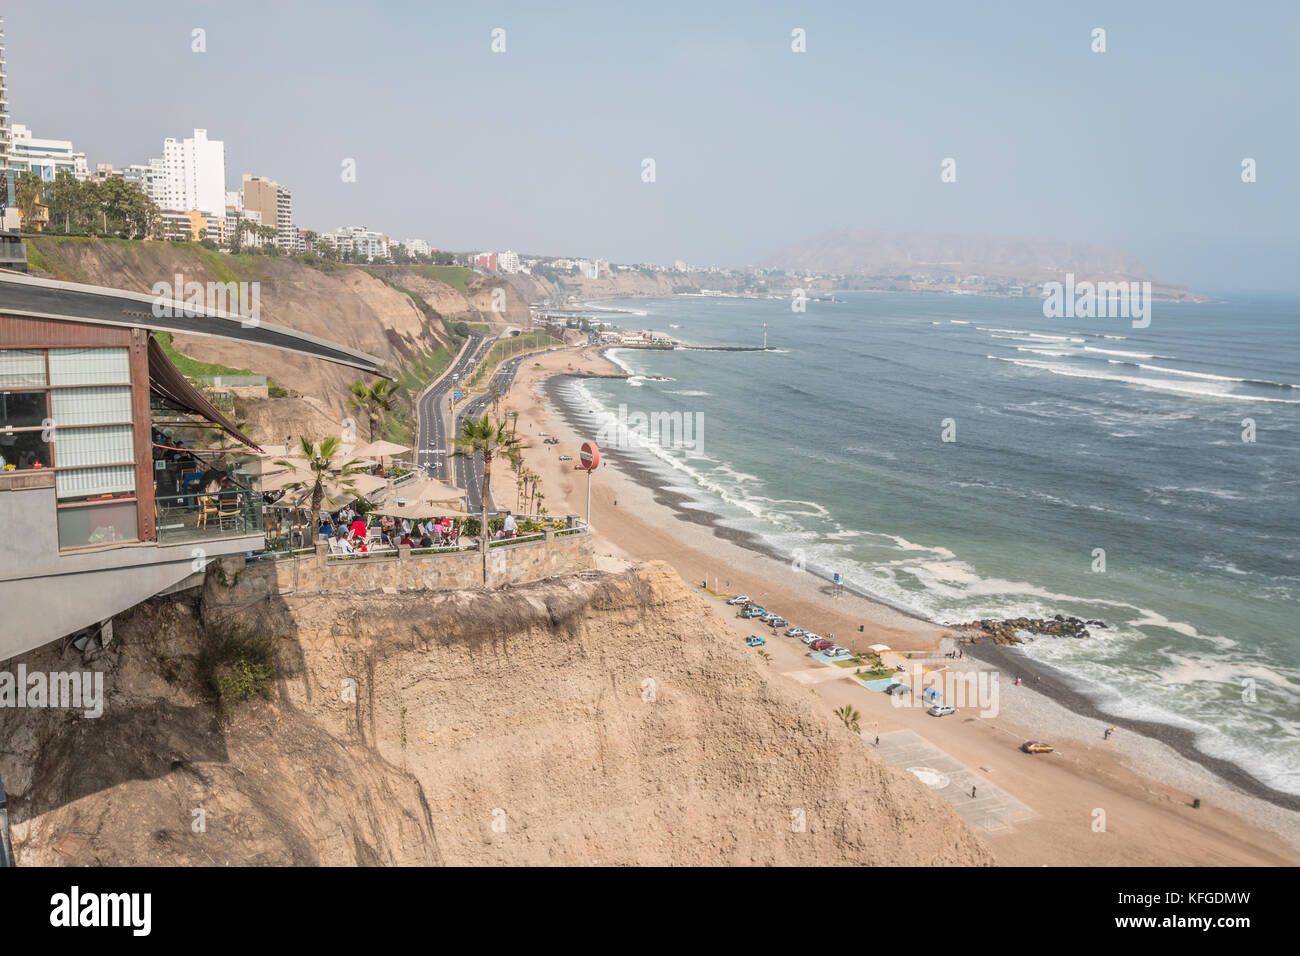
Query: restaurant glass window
[
  {"x": 24, "y": 411},
  {"x": 91, "y": 406},
  {"x": 22, "y": 368},
  {"x": 103, "y": 366}
]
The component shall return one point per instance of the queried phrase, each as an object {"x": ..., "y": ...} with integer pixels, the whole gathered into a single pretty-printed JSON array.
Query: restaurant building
[{"x": 119, "y": 480}]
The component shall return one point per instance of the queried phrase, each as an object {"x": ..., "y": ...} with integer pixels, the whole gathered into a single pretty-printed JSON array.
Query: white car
[
  {"x": 795, "y": 632},
  {"x": 837, "y": 651},
  {"x": 809, "y": 637},
  {"x": 941, "y": 710},
  {"x": 738, "y": 599}
]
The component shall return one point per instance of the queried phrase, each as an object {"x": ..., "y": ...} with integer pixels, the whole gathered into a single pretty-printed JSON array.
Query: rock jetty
[{"x": 1006, "y": 631}]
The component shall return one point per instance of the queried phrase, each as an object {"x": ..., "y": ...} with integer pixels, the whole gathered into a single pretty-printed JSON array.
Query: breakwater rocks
[{"x": 1006, "y": 631}]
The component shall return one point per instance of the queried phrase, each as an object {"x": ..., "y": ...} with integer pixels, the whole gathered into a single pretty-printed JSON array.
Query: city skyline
[{"x": 541, "y": 148}]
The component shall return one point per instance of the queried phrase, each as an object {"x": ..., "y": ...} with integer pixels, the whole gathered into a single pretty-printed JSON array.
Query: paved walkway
[{"x": 992, "y": 807}]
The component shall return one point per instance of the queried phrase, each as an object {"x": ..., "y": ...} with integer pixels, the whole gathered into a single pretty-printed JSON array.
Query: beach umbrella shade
[{"x": 380, "y": 449}]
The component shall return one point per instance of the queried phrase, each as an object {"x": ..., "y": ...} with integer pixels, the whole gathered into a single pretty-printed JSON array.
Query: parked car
[
  {"x": 753, "y": 612},
  {"x": 795, "y": 632},
  {"x": 896, "y": 689},
  {"x": 768, "y": 617},
  {"x": 550, "y": 441},
  {"x": 543, "y": 434},
  {"x": 566, "y": 458},
  {"x": 941, "y": 710},
  {"x": 778, "y": 621},
  {"x": 1036, "y": 747},
  {"x": 837, "y": 651},
  {"x": 755, "y": 641},
  {"x": 738, "y": 599},
  {"x": 821, "y": 645},
  {"x": 808, "y": 637}
]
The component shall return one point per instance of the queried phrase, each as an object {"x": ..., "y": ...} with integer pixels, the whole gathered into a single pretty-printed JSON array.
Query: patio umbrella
[{"x": 380, "y": 449}]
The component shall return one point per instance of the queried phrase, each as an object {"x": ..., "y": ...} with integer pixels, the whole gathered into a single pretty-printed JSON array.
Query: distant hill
[{"x": 946, "y": 260}]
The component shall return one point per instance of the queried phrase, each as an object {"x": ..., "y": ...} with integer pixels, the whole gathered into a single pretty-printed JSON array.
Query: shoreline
[
  {"x": 1050, "y": 680},
  {"x": 636, "y": 517}
]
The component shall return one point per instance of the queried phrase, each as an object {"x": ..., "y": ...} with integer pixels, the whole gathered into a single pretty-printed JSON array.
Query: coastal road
[
  {"x": 432, "y": 437},
  {"x": 467, "y": 474},
  {"x": 466, "y": 469}
]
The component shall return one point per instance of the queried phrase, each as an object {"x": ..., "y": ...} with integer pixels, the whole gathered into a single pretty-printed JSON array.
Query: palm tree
[
  {"x": 850, "y": 717},
  {"x": 487, "y": 438},
  {"x": 320, "y": 462},
  {"x": 374, "y": 399}
]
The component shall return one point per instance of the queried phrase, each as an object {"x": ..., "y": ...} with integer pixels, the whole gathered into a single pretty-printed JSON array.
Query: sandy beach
[{"x": 1126, "y": 800}]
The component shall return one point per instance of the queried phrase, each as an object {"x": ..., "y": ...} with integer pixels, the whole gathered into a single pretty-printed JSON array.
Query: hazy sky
[{"x": 539, "y": 149}]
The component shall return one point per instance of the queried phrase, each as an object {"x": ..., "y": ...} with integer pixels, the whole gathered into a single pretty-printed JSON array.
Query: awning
[{"x": 174, "y": 390}]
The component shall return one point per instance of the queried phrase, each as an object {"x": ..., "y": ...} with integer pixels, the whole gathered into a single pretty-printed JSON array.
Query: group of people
[{"x": 350, "y": 530}]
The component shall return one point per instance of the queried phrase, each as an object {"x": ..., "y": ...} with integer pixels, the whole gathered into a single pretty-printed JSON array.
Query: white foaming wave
[
  {"x": 1156, "y": 384},
  {"x": 689, "y": 392},
  {"x": 1214, "y": 378},
  {"x": 1025, "y": 348},
  {"x": 958, "y": 322},
  {"x": 613, "y": 356},
  {"x": 1141, "y": 355}
]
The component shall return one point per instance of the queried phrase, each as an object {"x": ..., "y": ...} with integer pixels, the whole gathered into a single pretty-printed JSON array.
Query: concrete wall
[
  {"x": 46, "y": 595},
  {"x": 234, "y": 583}
]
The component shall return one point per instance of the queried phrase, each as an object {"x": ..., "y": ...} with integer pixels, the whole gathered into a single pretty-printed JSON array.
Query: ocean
[{"x": 1146, "y": 477}]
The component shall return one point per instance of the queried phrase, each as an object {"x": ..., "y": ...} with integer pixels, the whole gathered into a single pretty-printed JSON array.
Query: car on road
[
  {"x": 941, "y": 710},
  {"x": 544, "y": 434},
  {"x": 895, "y": 689},
  {"x": 738, "y": 599},
  {"x": 550, "y": 441},
  {"x": 755, "y": 641},
  {"x": 1036, "y": 747},
  {"x": 795, "y": 632},
  {"x": 566, "y": 458},
  {"x": 822, "y": 645}
]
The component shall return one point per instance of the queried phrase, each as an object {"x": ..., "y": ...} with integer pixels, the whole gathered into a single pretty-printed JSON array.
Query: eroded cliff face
[{"x": 598, "y": 718}]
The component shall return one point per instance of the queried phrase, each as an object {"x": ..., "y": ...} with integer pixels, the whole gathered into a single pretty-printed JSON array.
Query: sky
[{"x": 540, "y": 148}]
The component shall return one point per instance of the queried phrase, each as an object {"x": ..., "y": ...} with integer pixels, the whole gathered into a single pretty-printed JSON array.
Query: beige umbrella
[
  {"x": 366, "y": 485},
  {"x": 380, "y": 449},
  {"x": 424, "y": 509},
  {"x": 427, "y": 489}
]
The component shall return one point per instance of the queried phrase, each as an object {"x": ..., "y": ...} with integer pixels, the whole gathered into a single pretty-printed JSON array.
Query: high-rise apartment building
[
  {"x": 274, "y": 203},
  {"x": 192, "y": 174}
]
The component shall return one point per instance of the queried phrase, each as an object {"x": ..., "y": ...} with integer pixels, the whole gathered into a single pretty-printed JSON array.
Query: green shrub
[{"x": 234, "y": 665}]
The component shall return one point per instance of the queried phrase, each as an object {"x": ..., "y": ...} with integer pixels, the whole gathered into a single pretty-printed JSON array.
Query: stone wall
[{"x": 235, "y": 582}]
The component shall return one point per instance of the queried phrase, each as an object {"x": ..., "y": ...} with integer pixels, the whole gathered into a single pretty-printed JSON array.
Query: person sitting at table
[
  {"x": 406, "y": 540},
  {"x": 359, "y": 528},
  {"x": 388, "y": 527},
  {"x": 326, "y": 529},
  {"x": 345, "y": 545}
]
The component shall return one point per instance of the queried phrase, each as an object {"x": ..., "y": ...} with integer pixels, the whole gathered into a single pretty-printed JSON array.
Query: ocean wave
[
  {"x": 1151, "y": 383},
  {"x": 1216, "y": 378},
  {"x": 1141, "y": 355},
  {"x": 689, "y": 392}
]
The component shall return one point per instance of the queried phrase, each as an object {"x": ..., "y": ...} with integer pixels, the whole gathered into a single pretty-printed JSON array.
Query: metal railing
[{"x": 207, "y": 495}]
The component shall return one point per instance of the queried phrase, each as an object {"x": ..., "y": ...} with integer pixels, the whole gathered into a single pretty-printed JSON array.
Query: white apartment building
[
  {"x": 45, "y": 157},
  {"x": 193, "y": 174},
  {"x": 417, "y": 247},
  {"x": 508, "y": 261},
  {"x": 360, "y": 241}
]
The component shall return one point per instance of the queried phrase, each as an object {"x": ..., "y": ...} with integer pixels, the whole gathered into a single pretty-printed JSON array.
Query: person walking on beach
[{"x": 972, "y": 793}]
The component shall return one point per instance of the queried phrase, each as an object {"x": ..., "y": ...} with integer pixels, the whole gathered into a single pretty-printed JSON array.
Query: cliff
[{"x": 599, "y": 718}]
